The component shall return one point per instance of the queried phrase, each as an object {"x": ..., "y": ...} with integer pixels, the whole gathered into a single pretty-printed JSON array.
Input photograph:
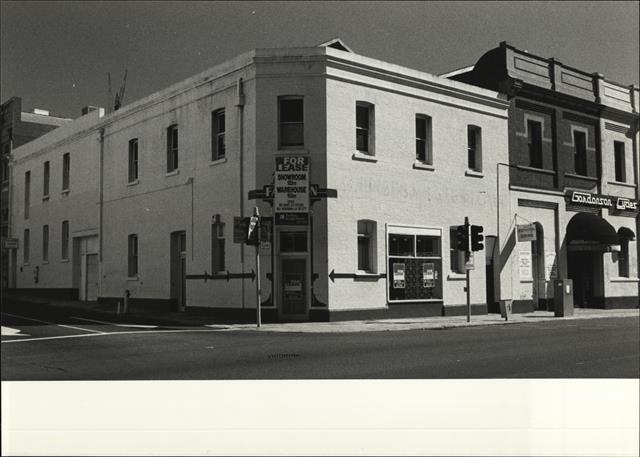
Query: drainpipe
[
  {"x": 101, "y": 214},
  {"x": 240, "y": 105}
]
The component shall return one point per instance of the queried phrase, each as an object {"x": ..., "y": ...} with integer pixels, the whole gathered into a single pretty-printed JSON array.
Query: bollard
[
  {"x": 118, "y": 307},
  {"x": 127, "y": 294}
]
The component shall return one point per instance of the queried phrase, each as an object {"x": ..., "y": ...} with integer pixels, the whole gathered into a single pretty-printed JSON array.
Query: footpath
[{"x": 15, "y": 303}]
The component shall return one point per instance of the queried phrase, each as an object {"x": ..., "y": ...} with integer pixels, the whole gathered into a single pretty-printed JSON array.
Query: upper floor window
[
  {"x": 132, "y": 256},
  {"x": 291, "y": 121},
  {"x": 218, "y": 144},
  {"x": 217, "y": 247},
  {"x": 474, "y": 148},
  {"x": 619, "y": 159},
  {"x": 133, "y": 160},
  {"x": 423, "y": 139},
  {"x": 27, "y": 193},
  {"x": 364, "y": 128},
  {"x": 580, "y": 152},
  {"x": 534, "y": 129},
  {"x": 172, "y": 148},
  {"x": 26, "y": 247},
  {"x": 46, "y": 175},
  {"x": 45, "y": 243},
  {"x": 64, "y": 244},
  {"x": 366, "y": 246},
  {"x": 66, "y": 168}
]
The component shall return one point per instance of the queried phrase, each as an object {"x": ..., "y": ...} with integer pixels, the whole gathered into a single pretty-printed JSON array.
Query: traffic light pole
[
  {"x": 256, "y": 213},
  {"x": 466, "y": 259}
]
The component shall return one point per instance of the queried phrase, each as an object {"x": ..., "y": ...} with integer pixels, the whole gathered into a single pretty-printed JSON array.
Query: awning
[
  {"x": 627, "y": 233},
  {"x": 593, "y": 228}
]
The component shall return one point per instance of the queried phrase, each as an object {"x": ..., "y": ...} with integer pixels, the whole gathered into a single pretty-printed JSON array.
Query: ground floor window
[{"x": 414, "y": 264}]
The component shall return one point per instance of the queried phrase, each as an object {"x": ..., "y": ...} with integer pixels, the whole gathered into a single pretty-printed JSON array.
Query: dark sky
[{"x": 56, "y": 55}]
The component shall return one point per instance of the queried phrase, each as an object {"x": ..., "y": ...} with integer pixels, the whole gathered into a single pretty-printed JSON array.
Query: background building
[
  {"x": 142, "y": 201},
  {"x": 16, "y": 128},
  {"x": 572, "y": 175}
]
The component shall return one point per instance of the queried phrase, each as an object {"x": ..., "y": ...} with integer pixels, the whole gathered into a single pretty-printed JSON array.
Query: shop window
[
  {"x": 217, "y": 247},
  {"x": 401, "y": 245},
  {"x": 64, "y": 242},
  {"x": 172, "y": 148},
  {"x": 132, "y": 256},
  {"x": 218, "y": 129},
  {"x": 46, "y": 175},
  {"x": 293, "y": 241},
  {"x": 534, "y": 129},
  {"x": 66, "y": 169},
  {"x": 366, "y": 246},
  {"x": 26, "y": 247},
  {"x": 580, "y": 152},
  {"x": 291, "y": 121},
  {"x": 474, "y": 148},
  {"x": 364, "y": 128},
  {"x": 456, "y": 256},
  {"x": 133, "y": 160},
  {"x": 45, "y": 243},
  {"x": 619, "y": 158},
  {"x": 27, "y": 193},
  {"x": 423, "y": 139}
]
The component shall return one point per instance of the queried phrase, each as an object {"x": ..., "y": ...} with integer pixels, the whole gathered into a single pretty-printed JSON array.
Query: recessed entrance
[{"x": 293, "y": 274}]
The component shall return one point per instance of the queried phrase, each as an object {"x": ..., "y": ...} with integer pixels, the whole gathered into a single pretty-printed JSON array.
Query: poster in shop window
[
  {"x": 428, "y": 275},
  {"x": 398, "y": 276},
  {"x": 524, "y": 264}
]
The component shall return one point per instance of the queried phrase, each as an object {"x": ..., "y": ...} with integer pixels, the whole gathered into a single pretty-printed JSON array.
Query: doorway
[
  {"x": 293, "y": 274},
  {"x": 91, "y": 278},
  {"x": 178, "y": 269},
  {"x": 582, "y": 270}
]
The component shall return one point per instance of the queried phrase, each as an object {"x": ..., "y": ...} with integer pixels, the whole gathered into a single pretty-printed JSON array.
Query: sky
[{"x": 56, "y": 55}]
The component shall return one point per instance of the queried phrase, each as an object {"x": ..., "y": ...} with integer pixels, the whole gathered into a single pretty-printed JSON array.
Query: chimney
[{"x": 42, "y": 112}]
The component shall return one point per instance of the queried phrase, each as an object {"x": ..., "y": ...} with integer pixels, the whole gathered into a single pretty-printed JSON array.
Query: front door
[
  {"x": 91, "y": 285},
  {"x": 293, "y": 287},
  {"x": 581, "y": 271},
  {"x": 178, "y": 270}
]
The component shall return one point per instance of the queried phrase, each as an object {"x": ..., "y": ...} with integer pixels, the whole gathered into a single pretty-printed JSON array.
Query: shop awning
[
  {"x": 624, "y": 232},
  {"x": 592, "y": 228}
]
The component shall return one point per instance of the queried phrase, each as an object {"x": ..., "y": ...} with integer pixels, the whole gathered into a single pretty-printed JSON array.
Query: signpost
[
  {"x": 469, "y": 238},
  {"x": 254, "y": 233}
]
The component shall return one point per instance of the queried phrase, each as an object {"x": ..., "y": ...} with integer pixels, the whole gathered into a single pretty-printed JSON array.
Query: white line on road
[
  {"x": 114, "y": 324},
  {"x": 8, "y": 331},
  {"x": 138, "y": 332},
  {"x": 52, "y": 323}
]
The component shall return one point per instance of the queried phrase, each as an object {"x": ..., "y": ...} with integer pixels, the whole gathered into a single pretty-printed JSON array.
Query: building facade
[
  {"x": 16, "y": 128},
  {"x": 361, "y": 170},
  {"x": 571, "y": 180}
]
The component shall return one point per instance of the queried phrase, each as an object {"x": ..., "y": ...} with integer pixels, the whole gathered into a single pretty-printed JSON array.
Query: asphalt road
[{"x": 58, "y": 346}]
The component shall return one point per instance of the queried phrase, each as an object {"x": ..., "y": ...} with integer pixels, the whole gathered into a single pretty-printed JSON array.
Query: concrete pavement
[{"x": 420, "y": 323}]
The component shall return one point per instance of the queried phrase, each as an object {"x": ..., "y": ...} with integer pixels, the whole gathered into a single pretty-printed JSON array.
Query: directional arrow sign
[{"x": 333, "y": 275}]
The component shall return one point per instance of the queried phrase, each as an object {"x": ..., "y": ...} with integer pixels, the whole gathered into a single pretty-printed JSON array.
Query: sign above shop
[
  {"x": 526, "y": 232},
  {"x": 601, "y": 201}
]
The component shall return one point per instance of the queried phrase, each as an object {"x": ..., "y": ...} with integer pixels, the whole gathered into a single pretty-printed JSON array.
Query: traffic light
[
  {"x": 462, "y": 236},
  {"x": 477, "y": 238}
]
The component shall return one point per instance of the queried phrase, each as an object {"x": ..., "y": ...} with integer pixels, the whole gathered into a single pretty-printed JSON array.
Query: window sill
[
  {"x": 536, "y": 169},
  {"x": 474, "y": 173},
  {"x": 173, "y": 173},
  {"x": 588, "y": 178},
  {"x": 366, "y": 276},
  {"x": 300, "y": 149},
  {"x": 133, "y": 183},
  {"x": 621, "y": 184},
  {"x": 364, "y": 157},
  {"x": 456, "y": 276},
  {"x": 133, "y": 278},
  {"x": 218, "y": 161},
  {"x": 623, "y": 279},
  {"x": 45, "y": 262},
  {"x": 65, "y": 192},
  {"x": 45, "y": 198},
  {"x": 64, "y": 260},
  {"x": 417, "y": 165},
  {"x": 526, "y": 280}
]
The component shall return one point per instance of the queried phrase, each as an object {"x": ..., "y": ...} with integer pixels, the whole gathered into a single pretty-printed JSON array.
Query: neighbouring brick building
[
  {"x": 572, "y": 173},
  {"x": 16, "y": 128}
]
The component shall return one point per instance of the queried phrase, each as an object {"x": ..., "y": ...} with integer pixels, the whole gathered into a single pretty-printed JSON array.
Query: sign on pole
[{"x": 526, "y": 232}]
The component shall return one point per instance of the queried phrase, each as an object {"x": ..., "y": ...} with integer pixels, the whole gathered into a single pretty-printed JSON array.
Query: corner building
[
  {"x": 141, "y": 202},
  {"x": 571, "y": 178}
]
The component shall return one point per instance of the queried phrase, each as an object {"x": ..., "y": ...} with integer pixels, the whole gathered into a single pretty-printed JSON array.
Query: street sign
[
  {"x": 526, "y": 232},
  {"x": 11, "y": 243},
  {"x": 469, "y": 264},
  {"x": 292, "y": 219}
]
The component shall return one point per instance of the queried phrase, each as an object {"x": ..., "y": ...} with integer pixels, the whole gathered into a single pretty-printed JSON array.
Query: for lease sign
[{"x": 291, "y": 189}]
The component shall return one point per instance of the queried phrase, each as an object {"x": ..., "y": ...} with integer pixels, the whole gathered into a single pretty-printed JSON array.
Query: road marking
[
  {"x": 114, "y": 324},
  {"x": 8, "y": 331},
  {"x": 83, "y": 335},
  {"x": 52, "y": 323}
]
